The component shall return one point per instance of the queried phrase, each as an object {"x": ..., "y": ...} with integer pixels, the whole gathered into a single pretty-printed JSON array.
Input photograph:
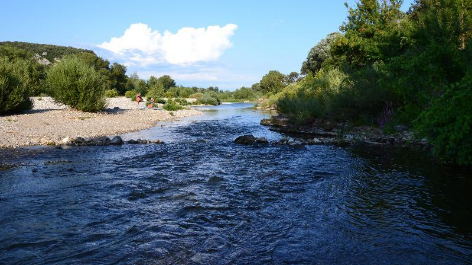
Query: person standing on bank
[{"x": 139, "y": 98}]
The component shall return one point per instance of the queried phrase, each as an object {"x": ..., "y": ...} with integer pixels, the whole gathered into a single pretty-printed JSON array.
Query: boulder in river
[
  {"x": 139, "y": 141},
  {"x": 79, "y": 140},
  {"x": 116, "y": 141},
  {"x": 101, "y": 141},
  {"x": 250, "y": 139},
  {"x": 245, "y": 139}
]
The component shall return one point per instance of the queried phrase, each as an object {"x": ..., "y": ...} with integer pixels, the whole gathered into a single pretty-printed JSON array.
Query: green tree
[
  {"x": 272, "y": 82},
  {"x": 118, "y": 78},
  {"x": 372, "y": 33},
  {"x": 76, "y": 84},
  {"x": 152, "y": 81},
  {"x": 293, "y": 77},
  {"x": 15, "y": 81},
  {"x": 92, "y": 59},
  {"x": 137, "y": 84},
  {"x": 166, "y": 81},
  {"x": 319, "y": 54},
  {"x": 244, "y": 93},
  {"x": 36, "y": 71}
]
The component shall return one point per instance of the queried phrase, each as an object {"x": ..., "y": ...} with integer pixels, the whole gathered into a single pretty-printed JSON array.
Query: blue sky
[{"x": 228, "y": 44}]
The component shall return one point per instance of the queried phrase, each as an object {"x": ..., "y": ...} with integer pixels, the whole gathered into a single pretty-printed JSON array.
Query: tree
[
  {"x": 244, "y": 93},
  {"x": 293, "y": 77},
  {"x": 319, "y": 54},
  {"x": 372, "y": 33},
  {"x": 152, "y": 81},
  {"x": 117, "y": 77},
  {"x": 93, "y": 60},
  {"x": 273, "y": 82},
  {"x": 36, "y": 71},
  {"x": 137, "y": 84},
  {"x": 15, "y": 81},
  {"x": 76, "y": 84},
  {"x": 256, "y": 87},
  {"x": 166, "y": 81}
]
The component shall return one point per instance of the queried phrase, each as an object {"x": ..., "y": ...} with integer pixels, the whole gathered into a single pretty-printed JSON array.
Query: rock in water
[
  {"x": 101, "y": 140},
  {"x": 245, "y": 139},
  {"x": 262, "y": 140},
  {"x": 116, "y": 141},
  {"x": 79, "y": 140}
]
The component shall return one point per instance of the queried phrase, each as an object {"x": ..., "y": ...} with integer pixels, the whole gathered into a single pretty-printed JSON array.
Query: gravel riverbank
[{"x": 49, "y": 122}]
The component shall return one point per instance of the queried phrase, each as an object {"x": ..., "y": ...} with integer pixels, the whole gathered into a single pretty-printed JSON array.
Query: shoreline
[
  {"x": 340, "y": 134},
  {"x": 49, "y": 123}
]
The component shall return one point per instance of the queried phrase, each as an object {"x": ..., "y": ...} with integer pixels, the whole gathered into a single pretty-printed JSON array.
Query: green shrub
[
  {"x": 111, "y": 93},
  {"x": 31, "y": 67},
  {"x": 15, "y": 81},
  {"x": 208, "y": 99},
  {"x": 196, "y": 95},
  {"x": 131, "y": 94},
  {"x": 156, "y": 91},
  {"x": 360, "y": 97},
  {"x": 171, "y": 105},
  {"x": 76, "y": 84},
  {"x": 180, "y": 92},
  {"x": 244, "y": 93},
  {"x": 300, "y": 103},
  {"x": 182, "y": 101},
  {"x": 447, "y": 123}
]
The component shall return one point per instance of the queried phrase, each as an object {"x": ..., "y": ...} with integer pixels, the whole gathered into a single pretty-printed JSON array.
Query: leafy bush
[
  {"x": 312, "y": 97},
  {"x": 35, "y": 70},
  {"x": 111, "y": 93},
  {"x": 208, "y": 99},
  {"x": 15, "y": 80},
  {"x": 130, "y": 94},
  {"x": 244, "y": 93},
  {"x": 171, "y": 105},
  {"x": 196, "y": 95},
  {"x": 180, "y": 92},
  {"x": 301, "y": 107},
  {"x": 156, "y": 91},
  {"x": 360, "y": 97},
  {"x": 182, "y": 101},
  {"x": 447, "y": 123},
  {"x": 76, "y": 84}
]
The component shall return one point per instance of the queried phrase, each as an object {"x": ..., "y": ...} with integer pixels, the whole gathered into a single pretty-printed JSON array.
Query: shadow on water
[{"x": 201, "y": 199}]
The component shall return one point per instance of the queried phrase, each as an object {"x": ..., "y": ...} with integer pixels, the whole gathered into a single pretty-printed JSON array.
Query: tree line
[
  {"x": 81, "y": 79},
  {"x": 387, "y": 67}
]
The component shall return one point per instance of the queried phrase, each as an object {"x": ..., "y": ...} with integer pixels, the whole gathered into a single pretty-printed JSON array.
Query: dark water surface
[{"x": 200, "y": 199}]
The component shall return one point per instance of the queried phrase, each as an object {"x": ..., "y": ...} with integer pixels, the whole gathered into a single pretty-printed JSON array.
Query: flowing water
[{"x": 201, "y": 199}]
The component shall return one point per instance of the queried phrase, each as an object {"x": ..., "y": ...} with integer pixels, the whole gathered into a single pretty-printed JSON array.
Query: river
[{"x": 201, "y": 199}]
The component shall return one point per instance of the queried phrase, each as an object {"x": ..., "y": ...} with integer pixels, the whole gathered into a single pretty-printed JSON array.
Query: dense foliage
[
  {"x": 35, "y": 70},
  {"x": 50, "y": 52},
  {"x": 390, "y": 67},
  {"x": 76, "y": 84},
  {"x": 15, "y": 81}
]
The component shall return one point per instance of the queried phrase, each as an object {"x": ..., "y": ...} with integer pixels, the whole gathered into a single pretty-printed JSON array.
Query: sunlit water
[{"x": 201, "y": 199}]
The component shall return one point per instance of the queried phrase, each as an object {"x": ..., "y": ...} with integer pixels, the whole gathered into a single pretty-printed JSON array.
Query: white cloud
[{"x": 140, "y": 45}]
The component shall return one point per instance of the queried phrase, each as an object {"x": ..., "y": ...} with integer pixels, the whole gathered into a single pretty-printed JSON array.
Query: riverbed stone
[
  {"x": 79, "y": 140},
  {"x": 262, "y": 140},
  {"x": 116, "y": 141},
  {"x": 245, "y": 139},
  {"x": 101, "y": 140}
]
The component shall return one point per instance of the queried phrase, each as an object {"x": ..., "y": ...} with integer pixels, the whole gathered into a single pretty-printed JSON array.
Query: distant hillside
[{"x": 46, "y": 50}]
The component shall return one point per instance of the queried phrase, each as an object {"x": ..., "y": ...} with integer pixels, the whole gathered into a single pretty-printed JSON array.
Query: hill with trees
[{"x": 47, "y": 51}]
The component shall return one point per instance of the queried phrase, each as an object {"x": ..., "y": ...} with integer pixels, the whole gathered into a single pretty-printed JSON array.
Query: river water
[{"x": 201, "y": 199}]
